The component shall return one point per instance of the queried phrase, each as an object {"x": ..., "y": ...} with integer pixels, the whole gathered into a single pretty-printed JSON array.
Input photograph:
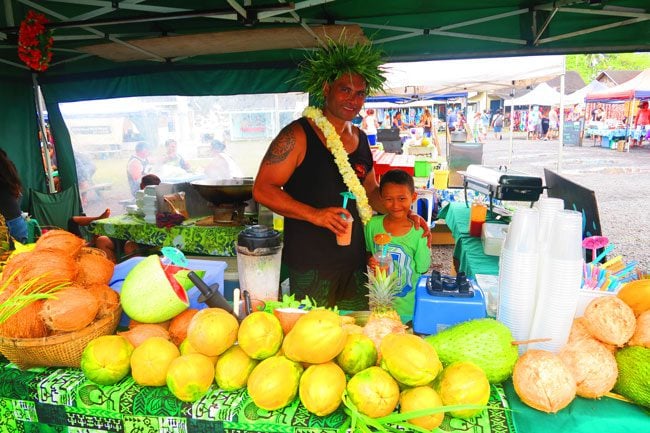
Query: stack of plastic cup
[
  {"x": 559, "y": 280},
  {"x": 548, "y": 207},
  {"x": 518, "y": 274}
]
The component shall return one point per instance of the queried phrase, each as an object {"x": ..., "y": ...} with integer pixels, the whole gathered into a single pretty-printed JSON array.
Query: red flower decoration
[{"x": 35, "y": 42}]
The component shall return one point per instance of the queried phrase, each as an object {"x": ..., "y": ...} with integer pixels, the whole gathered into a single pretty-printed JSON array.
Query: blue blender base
[{"x": 434, "y": 313}]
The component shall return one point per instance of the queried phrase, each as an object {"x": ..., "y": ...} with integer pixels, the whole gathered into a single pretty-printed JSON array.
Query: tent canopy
[
  {"x": 149, "y": 35},
  {"x": 579, "y": 95},
  {"x": 542, "y": 94},
  {"x": 638, "y": 87},
  {"x": 110, "y": 49},
  {"x": 425, "y": 78}
]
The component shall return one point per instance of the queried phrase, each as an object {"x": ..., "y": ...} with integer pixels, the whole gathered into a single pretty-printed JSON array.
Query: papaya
[
  {"x": 317, "y": 337},
  {"x": 273, "y": 383},
  {"x": 321, "y": 388},
  {"x": 409, "y": 359}
]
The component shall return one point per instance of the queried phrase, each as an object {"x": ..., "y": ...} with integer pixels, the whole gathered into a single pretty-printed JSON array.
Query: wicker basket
[{"x": 62, "y": 350}]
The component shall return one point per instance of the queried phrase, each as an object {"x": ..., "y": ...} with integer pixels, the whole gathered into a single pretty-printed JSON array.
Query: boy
[{"x": 408, "y": 249}]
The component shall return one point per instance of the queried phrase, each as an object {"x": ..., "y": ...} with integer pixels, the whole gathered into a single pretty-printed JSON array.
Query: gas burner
[{"x": 229, "y": 214}]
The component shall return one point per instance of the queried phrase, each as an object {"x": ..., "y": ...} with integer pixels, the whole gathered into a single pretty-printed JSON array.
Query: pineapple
[{"x": 383, "y": 320}]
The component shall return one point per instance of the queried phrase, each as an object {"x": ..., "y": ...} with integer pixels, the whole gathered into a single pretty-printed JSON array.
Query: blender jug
[{"x": 259, "y": 253}]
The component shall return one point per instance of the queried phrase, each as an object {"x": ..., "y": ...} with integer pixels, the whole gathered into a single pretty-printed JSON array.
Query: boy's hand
[
  {"x": 372, "y": 263},
  {"x": 420, "y": 222}
]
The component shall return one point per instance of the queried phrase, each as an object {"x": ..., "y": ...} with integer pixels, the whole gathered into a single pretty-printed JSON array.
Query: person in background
[
  {"x": 553, "y": 124},
  {"x": 461, "y": 123},
  {"x": 149, "y": 179},
  {"x": 533, "y": 119},
  {"x": 407, "y": 248},
  {"x": 172, "y": 158},
  {"x": 430, "y": 128},
  {"x": 103, "y": 243},
  {"x": 426, "y": 122},
  {"x": 369, "y": 125},
  {"x": 497, "y": 124},
  {"x": 641, "y": 123},
  {"x": 301, "y": 179},
  {"x": 398, "y": 122},
  {"x": 451, "y": 119},
  {"x": 485, "y": 124},
  {"x": 222, "y": 166},
  {"x": 137, "y": 166},
  {"x": 11, "y": 194}
]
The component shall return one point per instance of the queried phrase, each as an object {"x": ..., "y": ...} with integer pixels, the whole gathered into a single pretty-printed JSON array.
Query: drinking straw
[
  {"x": 612, "y": 261},
  {"x": 627, "y": 269},
  {"x": 346, "y": 195},
  {"x": 606, "y": 251}
]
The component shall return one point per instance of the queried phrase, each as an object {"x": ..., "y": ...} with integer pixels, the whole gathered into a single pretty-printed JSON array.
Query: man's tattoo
[{"x": 280, "y": 147}]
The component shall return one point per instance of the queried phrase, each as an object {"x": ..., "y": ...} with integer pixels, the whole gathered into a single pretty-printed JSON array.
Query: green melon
[{"x": 147, "y": 295}]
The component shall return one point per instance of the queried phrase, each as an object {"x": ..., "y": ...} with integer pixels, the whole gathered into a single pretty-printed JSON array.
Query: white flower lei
[{"x": 335, "y": 146}]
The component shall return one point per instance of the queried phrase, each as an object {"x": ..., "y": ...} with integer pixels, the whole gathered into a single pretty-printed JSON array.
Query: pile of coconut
[
  {"x": 586, "y": 365},
  {"x": 59, "y": 286}
]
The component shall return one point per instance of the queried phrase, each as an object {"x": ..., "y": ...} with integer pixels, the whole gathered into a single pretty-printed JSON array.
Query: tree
[{"x": 590, "y": 65}]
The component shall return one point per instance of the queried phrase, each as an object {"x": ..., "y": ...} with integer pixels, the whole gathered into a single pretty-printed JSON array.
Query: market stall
[{"x": 627, "y": 94}]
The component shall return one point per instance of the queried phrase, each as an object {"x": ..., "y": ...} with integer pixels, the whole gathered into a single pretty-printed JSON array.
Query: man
[
  {"x": 300, "y": 179},
  {"x": 137, "y": 166},
  {"x": 641, "y": 123}
]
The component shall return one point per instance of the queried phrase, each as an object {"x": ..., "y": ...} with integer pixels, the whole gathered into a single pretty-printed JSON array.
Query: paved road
[{"x": 621, "y": 181}]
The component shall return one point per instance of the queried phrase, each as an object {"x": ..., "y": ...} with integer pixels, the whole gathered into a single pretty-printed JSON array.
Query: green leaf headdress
[{"x": 336, "y": 59}]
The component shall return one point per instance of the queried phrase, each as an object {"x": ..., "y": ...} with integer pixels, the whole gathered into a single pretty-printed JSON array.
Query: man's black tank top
[{"x": 318, "y": 183}]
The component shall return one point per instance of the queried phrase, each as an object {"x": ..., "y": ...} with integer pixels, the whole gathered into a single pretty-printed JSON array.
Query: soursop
[
  {"x": 485, "y": 342},
  {"x": 634, "y": 374}
]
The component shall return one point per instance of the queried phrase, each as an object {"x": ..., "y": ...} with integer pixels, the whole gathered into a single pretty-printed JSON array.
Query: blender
[{"x": 259, "y": 254}]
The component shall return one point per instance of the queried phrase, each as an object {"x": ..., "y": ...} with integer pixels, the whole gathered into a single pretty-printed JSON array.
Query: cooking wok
[{"x": 219, "y": 191}]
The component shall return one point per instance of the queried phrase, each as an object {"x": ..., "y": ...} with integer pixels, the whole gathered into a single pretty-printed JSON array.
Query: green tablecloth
[
  {"x": 62, "y": 400},
  {"x": 468, "y": 250},
  {"x": 605, "y": 415},
  {"x": 187, "y": 237}
]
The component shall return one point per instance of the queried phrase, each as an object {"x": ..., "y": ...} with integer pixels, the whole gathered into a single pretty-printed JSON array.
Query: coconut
[
  {"x": 72, "y": 309},
  {"x": 25, "y": 323},
  {"x": 15, "y": 264},
  {"x": 60, "y": 240},
  {"x": 593, "y": 366},
  {"x": 641, "y": 335},
  {"x": 610, "y": 320},
  {"x": 144, "y": 331},
  {"x": 179, "y": 324},
  {"x": 49, "y": 266},
  {"x": 94, "y": 268},
  {"x": 543, "y": 382},
  {"x": 108, "y": 298},
  {"x": 579, "y": 332}
]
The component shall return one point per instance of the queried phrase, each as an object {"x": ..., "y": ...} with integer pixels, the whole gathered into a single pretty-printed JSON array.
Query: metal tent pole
[
  {"x": 561, "y": 126},
  {"x": 44, "y": 142}
]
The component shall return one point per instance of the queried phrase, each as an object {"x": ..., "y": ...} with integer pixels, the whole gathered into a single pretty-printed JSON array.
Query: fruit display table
[
  {"x": 187, "y": 237},
  {"x": 63, "y": 400},
  {"x": 468, "y": 251}
]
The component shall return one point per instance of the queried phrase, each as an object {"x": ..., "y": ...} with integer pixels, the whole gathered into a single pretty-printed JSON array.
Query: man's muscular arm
[{"x": 283, "y": 156}]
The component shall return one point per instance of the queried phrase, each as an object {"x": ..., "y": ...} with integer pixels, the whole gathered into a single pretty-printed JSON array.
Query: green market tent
[{"x": 107, "y": 49}]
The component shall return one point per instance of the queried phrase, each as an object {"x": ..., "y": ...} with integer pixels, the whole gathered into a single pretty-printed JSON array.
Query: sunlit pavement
[{"x": 621, "y": 181}]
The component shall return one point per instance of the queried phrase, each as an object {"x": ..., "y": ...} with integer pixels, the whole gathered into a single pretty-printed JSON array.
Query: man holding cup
[{"x": 308, "y": 165}]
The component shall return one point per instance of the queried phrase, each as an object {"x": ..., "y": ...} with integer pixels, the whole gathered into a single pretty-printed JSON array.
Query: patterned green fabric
[
  {"x": 187, "y": 237},
  {"x": 62, "y": 400}
]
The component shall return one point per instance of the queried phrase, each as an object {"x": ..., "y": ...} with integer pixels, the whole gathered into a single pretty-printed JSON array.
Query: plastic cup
[
  {"x": 522, "y": 233},
  {"x": 384, "y": 262},
  {"x": 477, "y": 216},
  {"x": 565, "y": 240},
  {"x": 345, "y": 239},
  {"x": 278, "y": 222}
]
